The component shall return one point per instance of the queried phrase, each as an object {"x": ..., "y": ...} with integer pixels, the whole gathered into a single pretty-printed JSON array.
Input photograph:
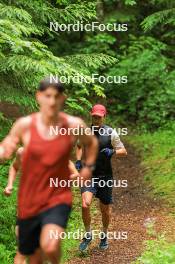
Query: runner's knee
[
  {"x": 85, "y": 204},
  {"x": 50, "y": 249},
  {"x": 86, "y": 201}
]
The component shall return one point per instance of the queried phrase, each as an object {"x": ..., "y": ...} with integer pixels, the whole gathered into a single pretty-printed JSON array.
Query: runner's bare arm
[
  {"x": 9, "y": 144},
  {"x": 118, "y": 145},
  {"x": 85, "y": 139},
  {"x": 89, "y": 142},
  {"x": 74, "y": 173},
  {"x": 79, "y": 151},
  {"x": 14, "y": 168}
]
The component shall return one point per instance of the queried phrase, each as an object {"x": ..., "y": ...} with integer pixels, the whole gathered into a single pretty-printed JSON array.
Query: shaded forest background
[{"x": 145, "y": 54}]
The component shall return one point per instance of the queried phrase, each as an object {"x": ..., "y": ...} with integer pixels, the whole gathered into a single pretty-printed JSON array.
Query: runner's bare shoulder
[
  {"x": 23, "y": 123},
  {"x": 21, "y": 127}
]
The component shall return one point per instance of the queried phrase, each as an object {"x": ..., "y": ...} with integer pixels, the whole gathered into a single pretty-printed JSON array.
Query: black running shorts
[
  {"x": 30, "y": 229},
  {"x": 101, "y": 190}
]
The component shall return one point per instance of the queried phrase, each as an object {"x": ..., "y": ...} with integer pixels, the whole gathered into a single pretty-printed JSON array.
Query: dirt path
[{"x": 132, "y": 206}]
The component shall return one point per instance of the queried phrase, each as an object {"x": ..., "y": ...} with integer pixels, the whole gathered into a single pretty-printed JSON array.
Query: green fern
[
  {"x": 162, "y": 17},
  {"x": 28, "y": 59}
]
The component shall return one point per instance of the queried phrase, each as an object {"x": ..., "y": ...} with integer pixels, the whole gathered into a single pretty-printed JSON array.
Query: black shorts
[
  {"x": 30, "y": 229},
  {"x": 103, "y": 193}
]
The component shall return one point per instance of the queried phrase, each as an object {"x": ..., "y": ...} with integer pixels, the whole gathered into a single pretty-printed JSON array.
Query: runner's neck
[
  {"x": 49, "y": 121},
  {"x": 97, "y": 126}
]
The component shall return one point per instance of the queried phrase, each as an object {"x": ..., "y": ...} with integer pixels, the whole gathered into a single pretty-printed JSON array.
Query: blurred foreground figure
[
  {"x": 43, "y": 208},
  {"x": 15, "y": 169}
]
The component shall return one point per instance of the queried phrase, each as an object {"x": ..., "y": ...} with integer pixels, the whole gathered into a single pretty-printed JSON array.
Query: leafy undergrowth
[
  {"x": 158, "y": 252},
  {"x": 7, "y": 220},
  {"x": 158, "y": 155}
]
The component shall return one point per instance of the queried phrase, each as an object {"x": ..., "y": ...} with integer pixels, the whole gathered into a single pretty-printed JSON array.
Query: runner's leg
[
  {"x": 86, "y": 202},
  {"x": 86, "y": 216},
  {"x": 106, "y": 213},
  {"x": 19, "y": 259},
  {"x": 50, "y": 246},
  {"x": 36, "y": 258}
]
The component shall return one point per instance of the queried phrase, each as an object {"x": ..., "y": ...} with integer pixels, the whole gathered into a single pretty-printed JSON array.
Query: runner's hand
[
  {"x": 7, "y": 147},
  {"x": 78, "y": 165},
  {"x": 8, "y": 190},
  {"x": 108, "y": 152}
]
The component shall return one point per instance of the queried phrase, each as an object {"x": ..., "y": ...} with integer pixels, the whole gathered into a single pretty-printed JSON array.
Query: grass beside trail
[
  {"x": 158, "y": 155},
  {"x": 158, "y": 158},
  {"x": 7, "y": 220},
  {"x": 158, "y": 252}
]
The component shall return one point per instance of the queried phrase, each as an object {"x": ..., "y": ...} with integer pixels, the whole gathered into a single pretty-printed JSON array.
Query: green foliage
[
  {"x": 29, "y": 51},
  {"x": 162, "y": 17},
  {"x": 25, "y": 59},
  {"x": 7, "y": 220},
  {"x": 159, "y": 251},
  {"x": 6, "y": 256},
  {"x": 150, "y": 91},
  {"x": 130, "y": 2},
  {"x": 159, "y": 159},
  {"x": 158, "y": 162},
  {"x": 146, "y": 58}
]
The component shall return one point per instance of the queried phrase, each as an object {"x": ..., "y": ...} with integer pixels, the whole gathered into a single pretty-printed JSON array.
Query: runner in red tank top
[
  {"x": 48, "y": 158},
  {"x": 43, "y": 208}
]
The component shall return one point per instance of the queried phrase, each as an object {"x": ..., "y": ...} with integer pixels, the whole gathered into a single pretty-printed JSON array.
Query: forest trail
[{"x": 132, "y": 209}]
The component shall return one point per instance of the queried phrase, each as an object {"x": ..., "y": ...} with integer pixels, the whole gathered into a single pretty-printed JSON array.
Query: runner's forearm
[
  {"x": 72, "y": 168},
  {"x": 91, "y": 151},
  {"x": 79, "y": 153},
  {"x": 12, "y": 175},
  {"x": 121, "y": 152}
]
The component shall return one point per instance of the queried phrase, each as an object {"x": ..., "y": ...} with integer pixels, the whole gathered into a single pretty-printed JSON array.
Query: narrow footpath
[{"x": 133, "y": 208}]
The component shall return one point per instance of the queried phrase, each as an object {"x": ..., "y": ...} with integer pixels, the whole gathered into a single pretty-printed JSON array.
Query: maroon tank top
[{"x": 42, "y": 160}]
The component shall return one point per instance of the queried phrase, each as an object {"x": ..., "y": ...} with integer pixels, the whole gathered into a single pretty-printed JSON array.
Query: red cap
[{"x": 98, "y": 110}]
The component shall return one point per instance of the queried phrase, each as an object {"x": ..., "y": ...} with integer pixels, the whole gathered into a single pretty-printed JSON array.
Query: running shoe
[
  {"x": 86, "y": 241},
  {"x": 104, "y": 243}
]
